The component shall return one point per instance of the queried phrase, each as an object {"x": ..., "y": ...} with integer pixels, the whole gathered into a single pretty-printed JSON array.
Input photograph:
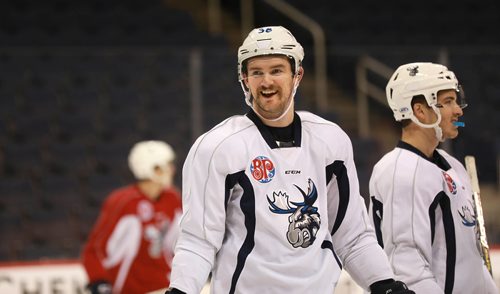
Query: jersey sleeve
[
  {"x": 353, "y": 236},
  {"x": 203, "y": 220},
  {"x": 94, "y": 250},
  {"x": 401, "y": 216}
]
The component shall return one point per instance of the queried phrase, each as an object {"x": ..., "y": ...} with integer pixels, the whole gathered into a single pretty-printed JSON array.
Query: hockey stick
[{"x": 470, "y": 165}]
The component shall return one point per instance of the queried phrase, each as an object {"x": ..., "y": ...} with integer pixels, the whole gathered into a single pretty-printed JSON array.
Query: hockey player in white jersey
[
  {"x": 270, "y": 198},
  {"x": 421, "y": 198}
]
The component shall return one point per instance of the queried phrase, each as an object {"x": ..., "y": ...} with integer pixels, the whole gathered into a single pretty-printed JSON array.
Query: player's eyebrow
[
  {"x": 449, "y": 97},
  {"x": 254, "y": 67}
]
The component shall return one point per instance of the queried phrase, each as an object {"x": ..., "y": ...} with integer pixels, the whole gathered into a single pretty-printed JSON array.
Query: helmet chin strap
[
  {"x": 290, "y": 102},
  {"x": 437, "y": 129}
]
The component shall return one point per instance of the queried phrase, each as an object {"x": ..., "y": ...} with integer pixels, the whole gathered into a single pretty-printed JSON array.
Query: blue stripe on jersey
[
  {"x": 338, "y": 169},
  {"x": 443, "y": 201},
  {"x": 247, "y": 205},
  {"x": 432, "y": 216},
  {"x": 328, "y": 245},
  {"x": 378, "y": 215}
]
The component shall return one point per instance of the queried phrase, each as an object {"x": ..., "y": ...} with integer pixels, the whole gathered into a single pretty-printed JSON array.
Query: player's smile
[
  {"x": 270, "y": 80},
  {"x": 268, "y": 93}
]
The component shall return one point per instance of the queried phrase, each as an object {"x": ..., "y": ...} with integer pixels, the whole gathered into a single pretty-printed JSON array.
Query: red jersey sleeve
[{"x": 94, "y": 250}]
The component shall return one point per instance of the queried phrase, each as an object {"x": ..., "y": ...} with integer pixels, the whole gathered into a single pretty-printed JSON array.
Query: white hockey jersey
[
  {"x": 423, "y": 214},
  {"x": 265, "y": 219}
]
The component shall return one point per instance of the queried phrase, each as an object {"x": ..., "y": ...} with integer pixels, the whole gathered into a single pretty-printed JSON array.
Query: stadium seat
[
  {"x": 61, "y": 193},
  {"x": 18, "y": 195},
  {"x": 98, "y": 186},
  {"x": 22, "y": 159}
]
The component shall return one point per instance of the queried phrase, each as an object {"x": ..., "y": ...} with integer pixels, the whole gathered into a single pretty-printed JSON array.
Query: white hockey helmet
[
  {"x": 145, "y": 156},
  {"x": 419, "y": 78},
  {"x": 268, "y": 41}
]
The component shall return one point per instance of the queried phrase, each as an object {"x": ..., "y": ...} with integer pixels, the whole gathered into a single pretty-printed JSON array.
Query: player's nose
[
  {"x": 267, "y": 79},
  {"x": 459, "y": 111}
]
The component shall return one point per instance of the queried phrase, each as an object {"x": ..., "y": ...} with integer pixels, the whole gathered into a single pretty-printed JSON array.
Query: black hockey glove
[
  {"x": 390, "y": 287},
  {"x": 174, "y": 291},
  {"x": 100, "y": 287}
]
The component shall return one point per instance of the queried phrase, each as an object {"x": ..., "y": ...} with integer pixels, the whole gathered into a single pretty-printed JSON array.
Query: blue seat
[
  {"x": 18, "y": 195},
  {"x": 78, "y": 128},
  {"x": 23, "y": 159},
  {"x": 98, "y": 186},
  {"x": 69, "y": 158},
  {"x": 32, "y": 128}
]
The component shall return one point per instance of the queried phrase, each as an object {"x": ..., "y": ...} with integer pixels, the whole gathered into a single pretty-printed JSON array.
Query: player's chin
[
  {"x": 268, "y": 113},
  {"x": 271, "y": 116},
  {"x": 452, "y": 134}
]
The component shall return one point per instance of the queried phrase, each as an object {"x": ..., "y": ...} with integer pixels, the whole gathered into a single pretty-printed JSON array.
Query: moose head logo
[
  {"x": 413, "y": 70},
  {"x": 304, "y": 219}
]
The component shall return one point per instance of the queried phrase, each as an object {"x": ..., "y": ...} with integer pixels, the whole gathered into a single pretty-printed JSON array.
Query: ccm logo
[{"x": 292, "y": 172}]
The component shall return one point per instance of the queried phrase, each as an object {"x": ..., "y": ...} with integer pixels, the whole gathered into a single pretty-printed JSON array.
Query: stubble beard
[{"x": 271, "y": 110}]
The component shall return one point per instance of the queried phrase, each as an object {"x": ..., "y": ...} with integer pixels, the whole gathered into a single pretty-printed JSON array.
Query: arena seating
[
  {"x": 81, "y": 81},
  {"x": 397, "y": 32}
]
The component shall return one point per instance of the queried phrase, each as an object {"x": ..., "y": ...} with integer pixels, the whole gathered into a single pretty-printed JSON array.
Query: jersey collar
[
  {"x": 266, "y": 133},
  {"x": 437, "y": 158}
]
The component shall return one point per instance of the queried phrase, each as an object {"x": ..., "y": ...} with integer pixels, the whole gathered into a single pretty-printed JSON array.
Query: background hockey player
[
  {"x": 129, "y": 250},
  {"x": 271, "y": 200},
  {"x": 421, "y": 198}
]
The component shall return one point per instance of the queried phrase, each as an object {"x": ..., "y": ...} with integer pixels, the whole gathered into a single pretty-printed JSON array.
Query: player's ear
[
  {"x": 419, "y": 110},
  {"x": 297, "y": 77},
  {"x": 300, "y": 73},
  {"x": 245, "y": 81}
]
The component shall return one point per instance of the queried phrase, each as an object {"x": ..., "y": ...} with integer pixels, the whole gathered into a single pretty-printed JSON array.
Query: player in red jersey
[{"x": 129, "y": 249}]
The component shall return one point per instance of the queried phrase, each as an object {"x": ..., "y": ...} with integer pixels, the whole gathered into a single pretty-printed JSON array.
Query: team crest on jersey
[
  {"x": 304, "y": 220},
  {"x": 145, "y": 210},
  {"x": 468, "y": 216},
  {"x": 262, "y": 169},
  {"x": 452, "y": 187}
]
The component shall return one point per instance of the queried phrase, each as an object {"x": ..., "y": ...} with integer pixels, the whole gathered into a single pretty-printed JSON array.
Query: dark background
[{"x": 81, "y": 81}]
